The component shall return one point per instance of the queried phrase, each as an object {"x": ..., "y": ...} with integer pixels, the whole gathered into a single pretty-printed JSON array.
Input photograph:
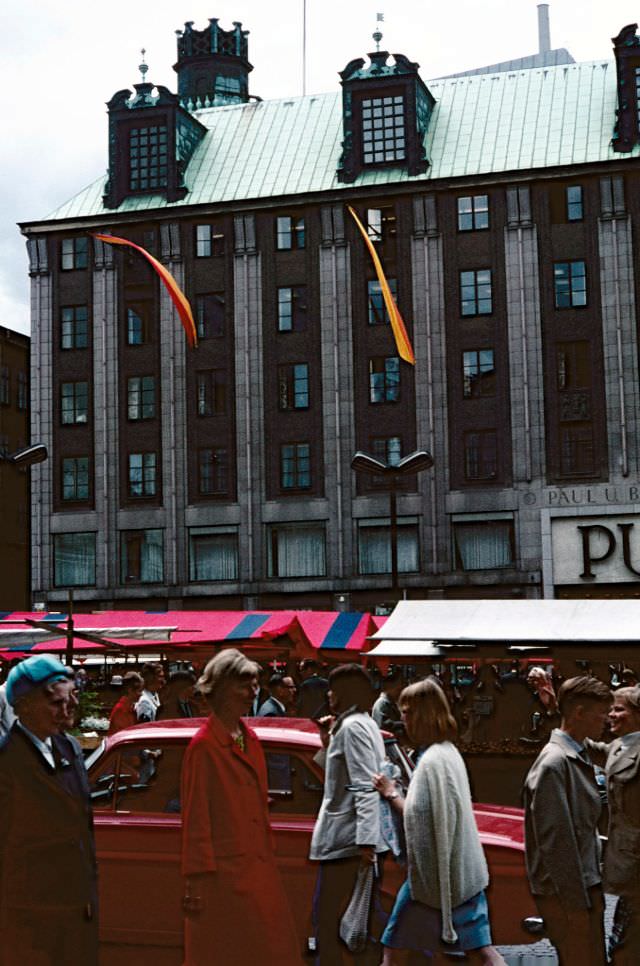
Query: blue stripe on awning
[
  {"x": 341, "y": 630},
  {"x": 247, "y": 626},
  {"x": 5, "y": 613},
  {"x": 53, "y": 616}
]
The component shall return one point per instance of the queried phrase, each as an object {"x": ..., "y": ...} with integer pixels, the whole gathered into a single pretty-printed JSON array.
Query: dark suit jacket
[
  {"x": 47, "y": 853},
  {"x": 271, "y": 709}
]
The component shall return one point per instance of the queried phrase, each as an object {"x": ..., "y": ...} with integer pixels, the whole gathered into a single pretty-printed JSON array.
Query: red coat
[
  {"x": 227, "y": 855},
  {"x": 122, "y": 716}
]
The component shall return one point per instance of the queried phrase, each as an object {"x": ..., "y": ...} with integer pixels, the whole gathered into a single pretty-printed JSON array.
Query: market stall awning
[
  {"x": 307, "y": 632},
  {"x": 514, "y": 622}
]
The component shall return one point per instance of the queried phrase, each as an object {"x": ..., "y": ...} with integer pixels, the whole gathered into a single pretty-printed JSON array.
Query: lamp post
[{"x": 412, "y": 464}]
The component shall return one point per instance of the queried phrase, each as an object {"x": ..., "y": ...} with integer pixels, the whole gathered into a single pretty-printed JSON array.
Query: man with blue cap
[{"x": 48, "y": 887}]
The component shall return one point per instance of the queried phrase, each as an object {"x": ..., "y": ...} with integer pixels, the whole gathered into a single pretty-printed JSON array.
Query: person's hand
[
  {"x": 367, "y": 855},
  {"x": 324, "y": 725},
  {"x": 383, "y": 784}
]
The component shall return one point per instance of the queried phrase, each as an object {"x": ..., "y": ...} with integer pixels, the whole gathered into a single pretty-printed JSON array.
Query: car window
[
  {"x": 139, "y": 779},
  {"x": 293, "y": 786}
]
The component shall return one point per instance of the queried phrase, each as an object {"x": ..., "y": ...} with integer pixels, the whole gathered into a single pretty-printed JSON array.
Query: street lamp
[
  {"x": 29, "y": 456},
  {"x": 412, "y": 464}
]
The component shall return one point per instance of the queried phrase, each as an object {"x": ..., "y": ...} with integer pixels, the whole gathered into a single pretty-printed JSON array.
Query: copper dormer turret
[{"x": 213, "y": 65}]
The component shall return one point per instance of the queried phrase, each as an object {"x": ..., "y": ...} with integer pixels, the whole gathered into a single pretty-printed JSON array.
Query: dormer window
[
  {"x": 148, "y": 157},
  {"x": 626, "y": 47},
  {"x": 383, "y": 130},
  {"x": 386, "y": 112}
]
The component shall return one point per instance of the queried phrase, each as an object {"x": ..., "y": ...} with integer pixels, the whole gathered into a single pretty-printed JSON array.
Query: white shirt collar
[{"x": 44, "y": 747}]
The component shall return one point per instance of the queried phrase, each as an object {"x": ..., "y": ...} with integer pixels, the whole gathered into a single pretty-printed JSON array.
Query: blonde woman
[
  {"x": 441, "y": 908},
  {"x": 235, "y": 907}
]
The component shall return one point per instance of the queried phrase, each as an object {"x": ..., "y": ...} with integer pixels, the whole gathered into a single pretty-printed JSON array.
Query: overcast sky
[{"x": 63, "y": 59}]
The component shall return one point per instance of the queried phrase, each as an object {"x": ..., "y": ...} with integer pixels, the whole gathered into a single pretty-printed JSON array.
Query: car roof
[{"x": 293, "y": 731}]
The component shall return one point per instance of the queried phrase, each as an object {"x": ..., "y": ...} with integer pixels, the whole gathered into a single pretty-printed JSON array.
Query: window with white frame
[
  {"x": 213, "y": 553},
  {"x": 290, "y": 232},
  {"x": 374, "y": 545},
  {"x": 383, "y": 129},
  {"x": 74, "y": 559},
  {"x": 473, "y": 213},
  {"x": 296, "y": 550}
]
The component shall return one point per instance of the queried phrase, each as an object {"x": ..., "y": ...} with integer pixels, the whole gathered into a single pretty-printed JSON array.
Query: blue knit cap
[{"x": 33, "y": 673}]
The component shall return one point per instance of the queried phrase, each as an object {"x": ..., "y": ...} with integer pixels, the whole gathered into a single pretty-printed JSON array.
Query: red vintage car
[{"x": 135, "y": 781}]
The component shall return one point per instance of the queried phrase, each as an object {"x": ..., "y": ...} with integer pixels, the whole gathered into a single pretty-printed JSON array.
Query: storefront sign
[
  {"x": 596, "y": 495},
  {"x": 604, "y": 549}
]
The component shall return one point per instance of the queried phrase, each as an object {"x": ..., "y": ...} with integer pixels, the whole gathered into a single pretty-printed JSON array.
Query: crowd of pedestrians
[{"x": 235, "y": 906}]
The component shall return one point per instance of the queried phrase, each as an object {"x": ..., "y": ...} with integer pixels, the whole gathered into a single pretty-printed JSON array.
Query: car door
[{"x": 136, "y": 800}]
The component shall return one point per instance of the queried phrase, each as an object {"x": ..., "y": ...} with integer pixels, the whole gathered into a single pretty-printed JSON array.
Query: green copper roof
[{"x": 481, "y": 124}]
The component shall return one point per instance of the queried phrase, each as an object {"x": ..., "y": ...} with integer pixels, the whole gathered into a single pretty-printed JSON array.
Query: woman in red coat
[{"x": 236, "y": 911}]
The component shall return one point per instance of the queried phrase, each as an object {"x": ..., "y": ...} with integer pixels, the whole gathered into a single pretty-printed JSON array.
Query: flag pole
[{"x": 304, "y": 47}]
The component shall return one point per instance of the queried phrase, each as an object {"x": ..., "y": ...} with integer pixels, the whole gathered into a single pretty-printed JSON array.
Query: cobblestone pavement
[{"x": 542, "y": 953}]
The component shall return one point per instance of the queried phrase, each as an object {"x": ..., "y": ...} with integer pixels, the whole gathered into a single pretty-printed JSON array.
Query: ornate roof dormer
[
  {"x": 213, "y": 65},
  {"x": 386, "y": 108},
  {"x": 151, "y": 140},
  {"x": 626, "y": 47}
]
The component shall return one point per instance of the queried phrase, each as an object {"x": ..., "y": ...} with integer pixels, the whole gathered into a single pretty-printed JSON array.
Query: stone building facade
[
  {"x": 14, "y": 481},
  {"x": 503, "y": 206}
]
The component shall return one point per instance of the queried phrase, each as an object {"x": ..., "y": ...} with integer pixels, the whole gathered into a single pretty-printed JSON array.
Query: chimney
[{"x": 544, "y": 33}]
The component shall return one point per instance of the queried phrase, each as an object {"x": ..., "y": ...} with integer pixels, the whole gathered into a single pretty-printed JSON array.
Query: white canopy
[{"x": 510, "y": 622}]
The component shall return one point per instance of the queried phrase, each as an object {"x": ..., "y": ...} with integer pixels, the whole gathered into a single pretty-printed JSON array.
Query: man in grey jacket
[
  {"x": 562, "y": 807},
  {"x": 348, "y": 832}
]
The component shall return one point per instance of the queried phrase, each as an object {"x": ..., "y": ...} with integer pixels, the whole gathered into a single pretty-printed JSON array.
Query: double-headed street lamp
[{"x": 409, "y": 465}]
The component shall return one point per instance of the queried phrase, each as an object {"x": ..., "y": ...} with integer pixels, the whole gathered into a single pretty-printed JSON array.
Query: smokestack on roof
[{"x": 544, "y": 32}]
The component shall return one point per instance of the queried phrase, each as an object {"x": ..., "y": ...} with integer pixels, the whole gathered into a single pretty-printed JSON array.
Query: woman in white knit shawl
[{"x": 441, "y": 908}]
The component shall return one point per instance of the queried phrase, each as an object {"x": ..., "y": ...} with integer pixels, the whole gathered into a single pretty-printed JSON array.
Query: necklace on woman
[{"x": 239, "y": 740}]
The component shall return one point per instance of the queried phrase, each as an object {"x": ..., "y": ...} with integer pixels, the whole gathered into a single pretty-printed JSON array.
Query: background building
[
  {"x": 504, "y": 207},
  {"x": 14, "y": 481}
]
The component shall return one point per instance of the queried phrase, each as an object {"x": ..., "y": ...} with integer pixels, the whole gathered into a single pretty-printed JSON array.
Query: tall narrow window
[
  {"x": 142, "y": 474},
  {"x": 384, "y": 379},
  {"x": 293, "y": 386},
  {"x": 135, "y": 326},
  {"x": 387, "y": 449},
  {"x": 75, "y": 478},
  {"x": 210, "y": 315},
  {"x": 74, "y": 327},
  {"x": 213, "y": 471},
  {"x": 478, "y": 373},
  {"x": 211, "y": 388},
  {"x": 475, "y": 292},
  {"x": 377, "y": 310},
  {"x": 74, "y": 253},
  {"x": 290, "y": 232},
  {"x": 570, "y": 284},
  {"x": 74, "y": 559},
  {"x": 480, "y": 455},
  {"x": 23, "y": 391},
  {"x": 5, "y": 386},
  {"x": 74, "y": 402},
  {"x": 141, "y": 556},
  {"x": 292, "y": 308},
  {"x": 383, "y": 129},
  {"x": 382, "y": 225},
  {"x": 575, "y": 210},
  {"x": 473, "y": 213},
  {"x": 141, "y": 397},
  {"x": 209, "y": 241},
  {"x": 295, "y": 466},
  {"x": 148, "y": 166}
]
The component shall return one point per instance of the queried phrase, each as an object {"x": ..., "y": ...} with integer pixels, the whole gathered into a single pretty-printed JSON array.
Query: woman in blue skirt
[{"x": 441, "y": 908}]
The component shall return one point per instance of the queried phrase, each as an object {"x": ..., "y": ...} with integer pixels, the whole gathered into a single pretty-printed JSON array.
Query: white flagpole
[{"x": 304, "y": 47}]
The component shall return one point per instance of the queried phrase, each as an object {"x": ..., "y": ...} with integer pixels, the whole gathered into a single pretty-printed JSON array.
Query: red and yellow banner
[
  {"x": 176, "y": 294},
  {"x": 403, "y": 343}
]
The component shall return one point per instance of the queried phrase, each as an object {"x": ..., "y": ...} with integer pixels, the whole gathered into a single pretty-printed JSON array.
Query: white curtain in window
[
  {"x": 300, "y": 553},
  {"x": 151, "y": 557},
  {"x": 374, "y": 549},
  {"x": 484, "y": 546},
  {"x": 75, "y": 559},
  {"x": 214, "y": 556}
]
